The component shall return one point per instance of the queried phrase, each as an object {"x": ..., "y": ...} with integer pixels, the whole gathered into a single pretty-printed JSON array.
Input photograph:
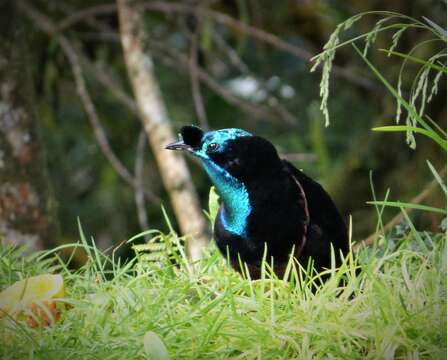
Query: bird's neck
[{"x": 236, "y": 202}]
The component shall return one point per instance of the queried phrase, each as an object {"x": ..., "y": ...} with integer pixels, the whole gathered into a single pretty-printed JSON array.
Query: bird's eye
[{"x": 212, "y": 147}]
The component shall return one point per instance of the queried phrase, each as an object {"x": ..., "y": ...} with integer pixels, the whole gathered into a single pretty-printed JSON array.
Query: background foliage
[{"x": 260, "y": 75}]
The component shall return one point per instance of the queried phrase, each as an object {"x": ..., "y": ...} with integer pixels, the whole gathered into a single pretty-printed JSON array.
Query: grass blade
[{"x": 399, "y": 204}]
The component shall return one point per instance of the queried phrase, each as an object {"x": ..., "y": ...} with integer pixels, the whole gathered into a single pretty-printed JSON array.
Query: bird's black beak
[{"x": 179, "y": 145}]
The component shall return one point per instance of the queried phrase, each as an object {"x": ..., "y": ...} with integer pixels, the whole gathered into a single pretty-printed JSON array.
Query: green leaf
[
  {"x": 411, "y": 110},
  {"x": 416, "y": 60},
  {"x": 142, "y": 234},
  {"x": 404, "y": 128},
  {"x": 213, "y": 204}
]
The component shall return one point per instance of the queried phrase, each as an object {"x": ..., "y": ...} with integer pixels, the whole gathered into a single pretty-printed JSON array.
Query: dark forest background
[{"x": 251, "y": 72}]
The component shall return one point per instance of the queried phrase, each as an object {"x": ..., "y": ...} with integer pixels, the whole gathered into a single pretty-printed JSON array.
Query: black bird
[{"x": 265, "y": 201}]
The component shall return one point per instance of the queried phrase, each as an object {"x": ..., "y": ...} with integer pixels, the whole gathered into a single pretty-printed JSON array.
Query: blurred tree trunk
[
  {"x": 172, "y": 166},
  {"x": 27, "y": 209}
]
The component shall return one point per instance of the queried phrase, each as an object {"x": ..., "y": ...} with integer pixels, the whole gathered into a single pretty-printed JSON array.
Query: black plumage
[{"x": 267, "y": 203}]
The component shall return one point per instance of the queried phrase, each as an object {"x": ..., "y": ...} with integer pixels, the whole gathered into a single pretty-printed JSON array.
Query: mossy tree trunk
[{"x": 27, "y": 209}]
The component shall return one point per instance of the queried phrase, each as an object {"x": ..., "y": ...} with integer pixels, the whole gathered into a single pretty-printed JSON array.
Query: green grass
[
  {"x": 396, "y": 307},
  {"x": 388, "y": 302}
]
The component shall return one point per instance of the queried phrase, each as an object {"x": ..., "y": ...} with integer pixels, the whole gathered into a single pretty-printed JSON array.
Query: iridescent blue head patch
[
  {"x": 216, "y": 141},
  {"x": 223, "y": 135}
]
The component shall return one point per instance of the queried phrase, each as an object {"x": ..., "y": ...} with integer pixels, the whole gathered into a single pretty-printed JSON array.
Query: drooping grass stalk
[
  {"x": 426, "y": 129},
  {"x": 423, "y": 88}
]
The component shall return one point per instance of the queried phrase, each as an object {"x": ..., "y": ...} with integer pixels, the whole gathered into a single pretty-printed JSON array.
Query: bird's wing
[{"x": 323, "y": 214}]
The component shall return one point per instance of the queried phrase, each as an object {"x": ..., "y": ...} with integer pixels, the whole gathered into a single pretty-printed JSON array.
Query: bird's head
[{"x": 234, "y": 152}]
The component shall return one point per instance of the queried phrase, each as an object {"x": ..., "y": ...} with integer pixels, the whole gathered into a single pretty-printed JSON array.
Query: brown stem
[{"x": 158, "y": 127}]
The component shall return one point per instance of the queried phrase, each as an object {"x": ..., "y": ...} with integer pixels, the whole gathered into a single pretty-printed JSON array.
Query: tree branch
[
  {"x": 195, "y": 84},
  {"x": 236, "y": 60},
  {"x": 44, "y": 24},
  {"x": 83, "y": 14},
  {"x": 175, "y": 58},
  {"x": 157, "y": 124},
  {"x": 179, "y": 62},
  {"x": 226, "y": 20},
  {"x": 104, "y": 77}
]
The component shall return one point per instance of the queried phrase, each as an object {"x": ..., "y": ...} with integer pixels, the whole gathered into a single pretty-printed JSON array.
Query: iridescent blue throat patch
[{"x": 234, "y": 195}]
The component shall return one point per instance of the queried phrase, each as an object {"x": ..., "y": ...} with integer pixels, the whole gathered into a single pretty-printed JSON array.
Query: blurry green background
[{"x": 340, "y": 156}]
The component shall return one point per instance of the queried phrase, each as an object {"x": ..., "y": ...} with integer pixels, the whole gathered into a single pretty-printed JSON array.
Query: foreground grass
[{"x": 396, "y": 307}]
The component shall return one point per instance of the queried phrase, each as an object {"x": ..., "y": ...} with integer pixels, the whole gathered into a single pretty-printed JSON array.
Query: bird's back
[
  {"x": 326, "y": 226},
  {"x": 289, "y": 210}
]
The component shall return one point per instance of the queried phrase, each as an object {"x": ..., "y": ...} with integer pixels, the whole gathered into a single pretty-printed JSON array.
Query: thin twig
[
  {"x": 43, "y": 23},
  {"x": 180, "y": 62},
  {"x": 86, "y": 13},
  {"x": 259, "y": 34},
  {"x": 428, "y": 189},
  {"x": 256, "y": 33},
  {"x": 102, "y": 74},
  {"x": 175, "y": 59},
  {"x": 226, "y": 20},
  {"x": 139, "y": 172},
  {"x": 231, "y": 54},
  {"x": 236, "y": 61},
  {"x": 168, "y": 8},
  {"x": 195, "y": 84}
]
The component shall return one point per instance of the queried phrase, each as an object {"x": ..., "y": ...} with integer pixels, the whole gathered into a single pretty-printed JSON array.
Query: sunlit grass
[{"x": 396, "y": 307}]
